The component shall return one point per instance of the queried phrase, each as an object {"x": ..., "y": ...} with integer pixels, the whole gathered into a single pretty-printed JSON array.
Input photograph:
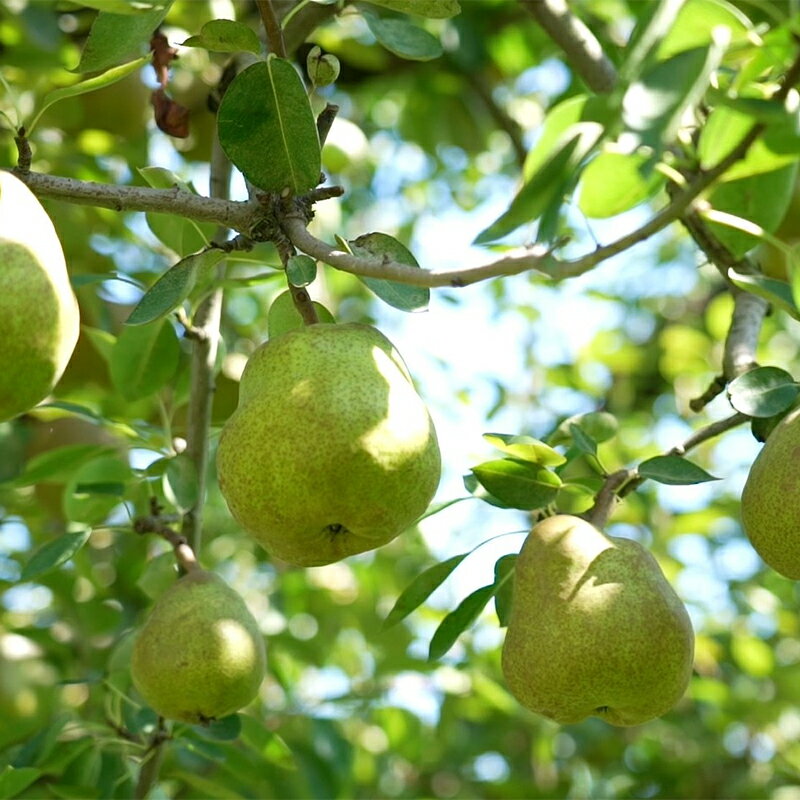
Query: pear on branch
[
  {"x": 595, "y": 628},
  {"x": 331, "y": 451},
  {"x": 39, "y": 319},
  {"x": 771, "y": 499},
  {"x": 200, "y": 655}
]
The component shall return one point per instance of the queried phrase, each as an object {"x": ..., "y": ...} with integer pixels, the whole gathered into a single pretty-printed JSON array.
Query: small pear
[
  {"x": 595, "y": 628},
  {"x": 200, "y": 655},
  {"x": 39, "y": 319},
  {"x": 331, "y": 451},
  {"x": 771, "y": 499}
]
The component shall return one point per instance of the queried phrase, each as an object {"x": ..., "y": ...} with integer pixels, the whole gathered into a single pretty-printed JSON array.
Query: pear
[
  {"x": 771, "y": 499},
  {"x": 331, "y": 451},
  {"x": 38, "y": 311},
  {"x": 595, "y": 629},
  {"x": 200, "y": 655}
]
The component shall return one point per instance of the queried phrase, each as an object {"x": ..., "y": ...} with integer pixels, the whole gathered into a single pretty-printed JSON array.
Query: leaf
[
  {"x": 547, "y": 183},
  {"x": 504, "y": 580},
  {"x": 283, "y": 316},
  {"x": 776, "y": 292},
  {"x": 115, "y": 38},
  {"x": 181, "y": 486},
  {"x": 763, "y": 392},
  {"x": 54, "y": 553},
  {"x": 13, "y": 781},
  {"x": 695, "y": 24},
  {"x": 182, "y": 236},
  {"x": 517, "y": 483},
  {"x": 301, "y": 270},
  {"x": 96, "y": 488},
  {"x": 654, "y": 104},
  {"x": 673, "y": 470},
  {"x": 474, "y": 487},
  {"x": 615, "y": 182},
  {"x": 107, "y": 78},
  {"x": 381, "y": 246},
  {"x": 525, "y": 448},
  {"x": 174, "y": 286},
  {"x": 559, "y": 118},
  {"x": 267, "y": 129},
  {"x": 585, "y": 443},
  {"x": 158, "y": 575},
  {"x": 404, "y": 39},
  {"x": 144, "y": 359},
  {"x": 457, "y": 621},
  {"x": 761, "y": 199},
  {"x": 225, "y": 729},
  {"x": 226, "y": 36},
  {"x": 418, "y": 591},
  {"x": 433, "y": 9},
  {"x": 653, "y": 26},
  {"x": 599, "y": 425},
  {"x": 123, "y": 6},
  {"x": 57, "y": 465}
]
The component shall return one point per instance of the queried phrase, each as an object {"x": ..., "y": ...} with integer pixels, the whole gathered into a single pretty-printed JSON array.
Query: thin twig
[
  {"x": 325, "y": 121},
  {"x": 155, "y": 523}
]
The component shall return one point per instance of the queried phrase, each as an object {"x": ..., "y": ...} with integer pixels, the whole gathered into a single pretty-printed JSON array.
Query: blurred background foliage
[{"x": 429, "y": 152}]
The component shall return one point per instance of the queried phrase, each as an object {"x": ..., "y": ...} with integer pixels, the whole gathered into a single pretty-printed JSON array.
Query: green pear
[
  {"x": 200, "y": 655},
  {"x": 595, "y": 629},
  {"x": 771, "y": 499},
  {"x": 331, "y": 451},
  {"x": 38, "y": 311}
]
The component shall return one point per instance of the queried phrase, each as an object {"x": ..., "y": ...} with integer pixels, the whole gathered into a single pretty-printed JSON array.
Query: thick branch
[
  {"x": 240, "y": 216},
  {"x": 580, "y": 45}
]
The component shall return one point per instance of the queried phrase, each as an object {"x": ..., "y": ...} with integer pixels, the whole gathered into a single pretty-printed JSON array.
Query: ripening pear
[
  {"x": 595, "y": 628},
  {"x": 38, "y": 311},
  {"x": 771, "y": 498},
  {"x": 331, "y": 451},
  {"x": 200, "y": 654}
]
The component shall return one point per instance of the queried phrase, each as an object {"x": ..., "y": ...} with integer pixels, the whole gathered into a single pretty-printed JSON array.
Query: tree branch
[
  {"x": 272, "y": 27},
  {"x": 583, "y": 51},
  {"x": 239, "y": 215},
  {"x": 206, "y": 324}
]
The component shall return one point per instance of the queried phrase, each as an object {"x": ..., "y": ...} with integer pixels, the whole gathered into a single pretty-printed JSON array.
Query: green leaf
[
  {"x": 95, "y": 488},
  {"x": 158, "y": 575},
  {"x": 225, "y": 729},
  {"x": 115, "y": 38},
  {"x": 654, "y": 104},
  {"x": 124, "y": 6},
  {"x": 585, "y": 443},
  {"x": 457, "y": 621},
  {"x": 182, "y": 236},
  {"x": 301, "y": 270},
  {"x": 615, "y": 182},
  {"x": 401, "y": 37},
  {"x": 283, "y": 316},
  {"x": 762, "y": 427},
  {"x": 57, "y": 465},
  {"x": 673, "y": 470},
  {"x": 107, "y": 78},
  {"x": 418, "y": 591},
  {"x": 504, "y": 581},
  {"x": 695, "y": 24},
  {"x": 144, "y": 359},
  {"x": 180, "y": 482},
  {"x": 267, "y": 129},
  {"x": 763, "y": 392},
  {"x": 174, "y": 286},
  {"x": 381, "y": 246},
  {"x": 599, "y": 425},
  {"x": 519, "y": 484},
  {"x": 547, "y": 183},
  {"x": 525, "y": 448},
  {"x": 226, "y": 36},
  {"x": 776, "y": 292},
  {"x": 433, "y": 9},
  {"x": 653, "y": 26},
  {"x": 474, "y": 487},
  {"x": 559, "y": 119},
  {"x": 761, "y": 199},
  {"x": 13, "y": 781},
  {"x": 54, "y": 553}
]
